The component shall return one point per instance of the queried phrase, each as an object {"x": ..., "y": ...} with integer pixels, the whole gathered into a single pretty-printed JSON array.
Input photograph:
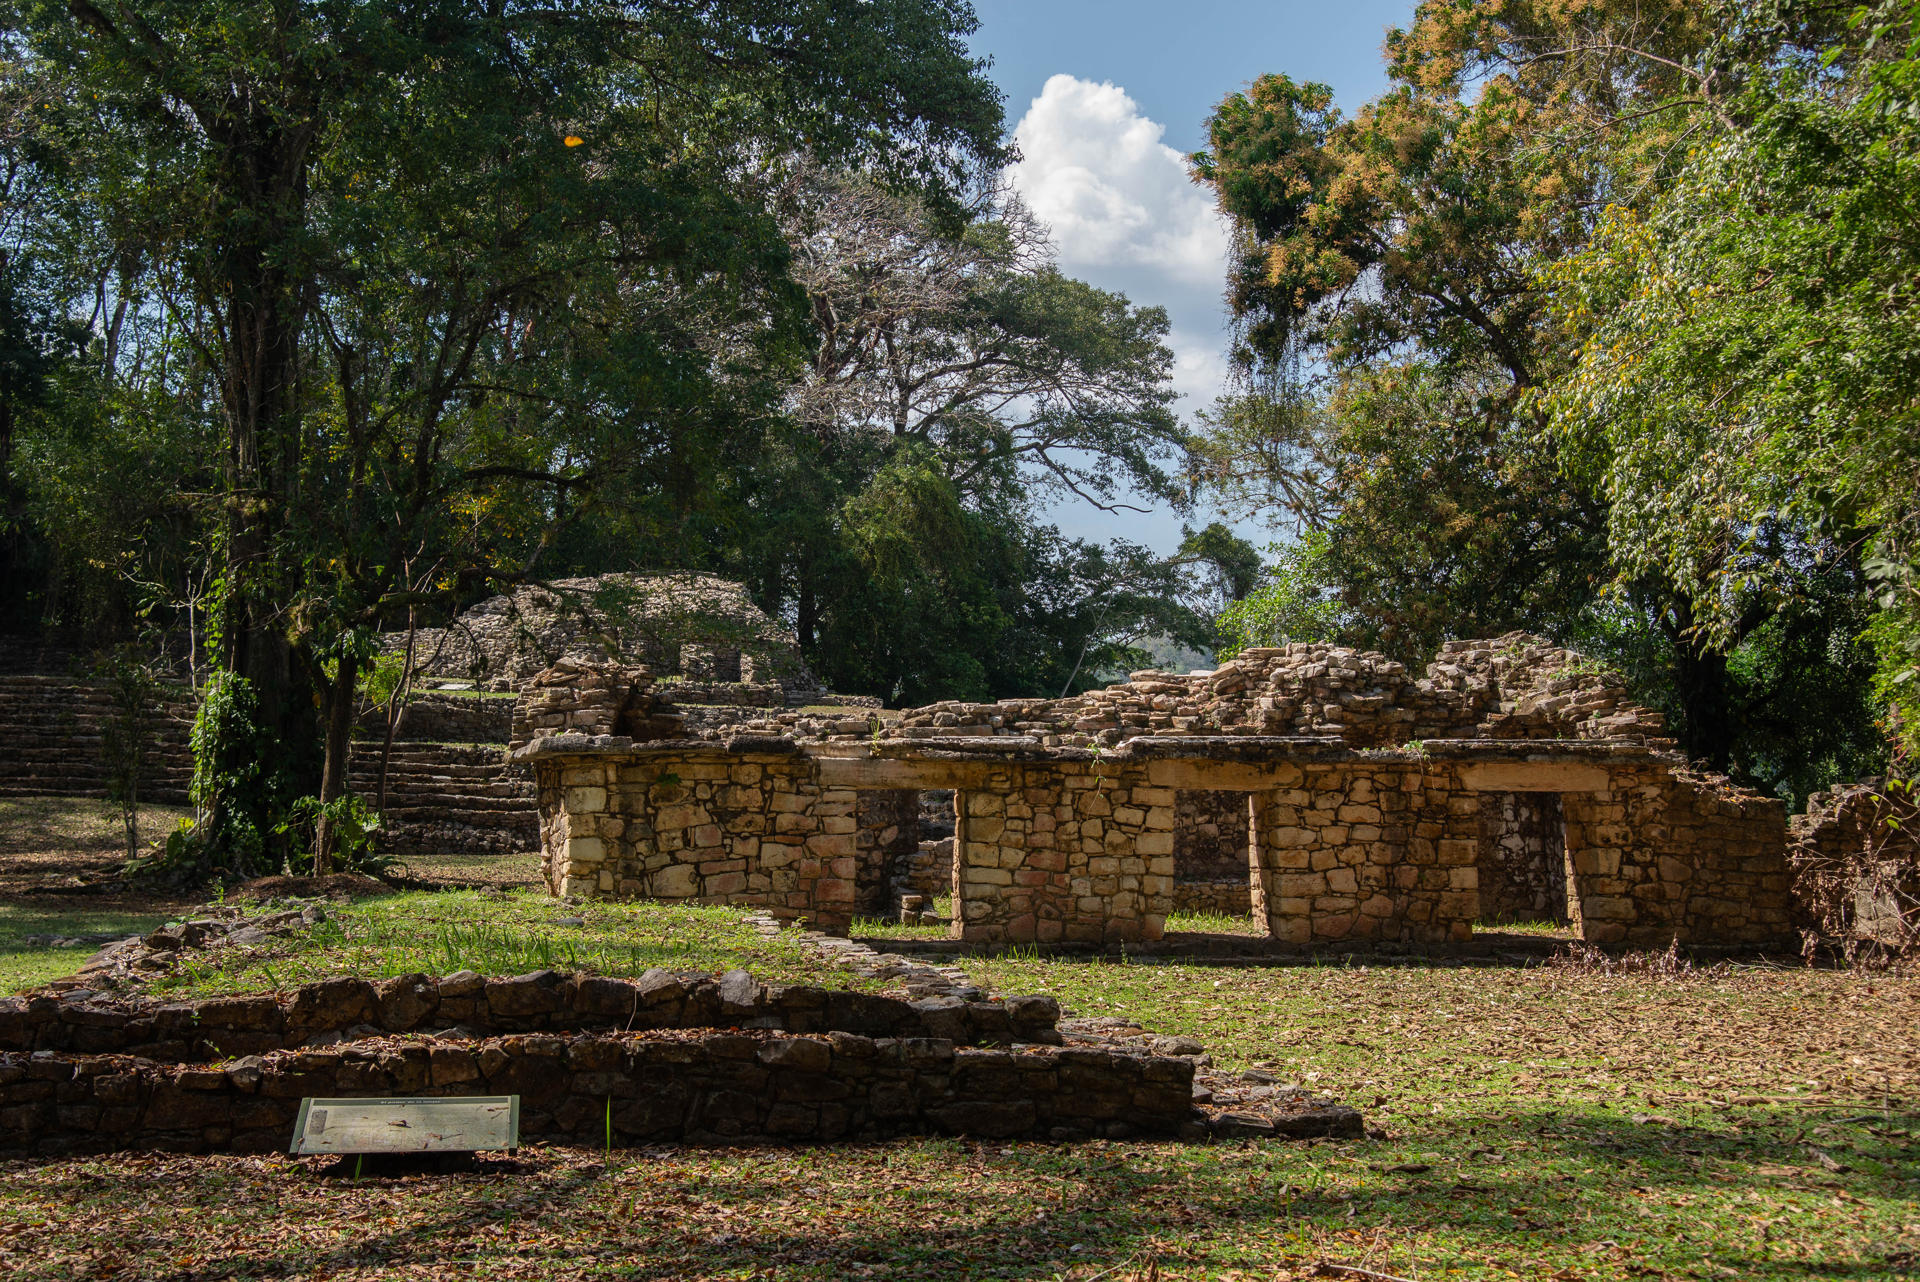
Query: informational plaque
[{"x": 467, "y": 1124}]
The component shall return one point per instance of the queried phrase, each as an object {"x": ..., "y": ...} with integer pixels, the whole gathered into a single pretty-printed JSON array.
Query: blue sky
[{"x": 1105, "y": 97}]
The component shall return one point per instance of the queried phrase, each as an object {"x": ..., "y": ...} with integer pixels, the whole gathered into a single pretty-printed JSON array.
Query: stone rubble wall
[
  {"x": 692, "y": 625},
  {"x": 927, "y": 871},
  {"x": 1855, "y": 858},
  {"x": 1069, "y": 852},
  {"x": 467, "y": 1005},
  {"x": 431, "y": 717},
  {"x": 54, "y": 734},
  {"x": 1516, "y": 686},
  {"x": 886, "y": 839},
  {"x": 1368, "y": 852},
  {"x": 575, "y": 697},
  {"x": 697, "y": 826},
  {"x": 715, "y": 1088},
  {"x": 681, "y": 1058},
  {"x": 1670, "y": 853},
  {"x": 1211, "y": 836}
]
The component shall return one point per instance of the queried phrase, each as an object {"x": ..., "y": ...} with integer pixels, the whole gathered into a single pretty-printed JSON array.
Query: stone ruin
[
  {"x": 1855, "y": 856},
  {"x": 691, "y": 628},
  {"x": 1512, "y": 781}
]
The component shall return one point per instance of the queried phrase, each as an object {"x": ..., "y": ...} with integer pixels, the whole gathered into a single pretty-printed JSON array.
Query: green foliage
[
  {"x": 353, "y": 825},
  {"x": 240, "y": 784},
  {"x": 1663, "y": 433},
  {"x": 402, "y": 337},
  {"x": 1294, "y": 602},
  {"x": 133, "y": 689},
  {"x": 1745, "y": 356},
  {"x": 381, "y": 679}
]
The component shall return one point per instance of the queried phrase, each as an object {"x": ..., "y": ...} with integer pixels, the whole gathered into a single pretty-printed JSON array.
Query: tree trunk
[
  {"x": 1701, "y": 681},
  {"x": 806, "y": 613},
  {"x": 333, "y": 779},
  {"x": 130, "y": 813}
]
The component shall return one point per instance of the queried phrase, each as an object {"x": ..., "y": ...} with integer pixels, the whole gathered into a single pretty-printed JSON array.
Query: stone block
[{"x": 677, "y": 881}]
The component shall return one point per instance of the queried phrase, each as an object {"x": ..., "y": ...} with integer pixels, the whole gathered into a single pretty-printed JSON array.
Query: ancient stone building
[{"x": 1512, "y": 781}]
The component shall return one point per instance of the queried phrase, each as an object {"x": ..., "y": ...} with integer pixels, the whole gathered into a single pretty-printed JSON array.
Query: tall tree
[
  {"x": 953, "y": 378},
  {"x": 451, "y": 263},
  {"x": 1397, "y": 335}
]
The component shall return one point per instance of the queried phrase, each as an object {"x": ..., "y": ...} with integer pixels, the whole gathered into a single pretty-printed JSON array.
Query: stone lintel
[{"x": 1535, "y": 776}]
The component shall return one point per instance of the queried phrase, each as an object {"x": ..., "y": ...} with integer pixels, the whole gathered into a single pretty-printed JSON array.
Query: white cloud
[
  {"x": 1095, "y": 171},
  {"x": 1125, "y": 216}
]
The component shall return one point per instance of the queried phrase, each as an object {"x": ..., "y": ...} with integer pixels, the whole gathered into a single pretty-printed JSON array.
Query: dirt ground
[{"x": 61, "y": 852}]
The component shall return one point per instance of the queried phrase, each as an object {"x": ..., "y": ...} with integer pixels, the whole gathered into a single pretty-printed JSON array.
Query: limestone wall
[
  {"x": 1663, "y": 853},
  {"x": 1516, "y": 686},
  {"x": 683, "y": 822},
  {"x": 1211, "y": 836},
  {"x": 1077, "y": 851},
  {"x": 1523, "y": 858},
  {"x": 1855, "y": 856},
  {"x": 322, "y": 1013},
  {"x": 1368, "y": 851},
  {"x": 694, "y": 625}
]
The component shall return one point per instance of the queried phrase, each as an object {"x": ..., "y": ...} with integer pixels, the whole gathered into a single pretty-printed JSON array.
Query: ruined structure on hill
[
  {"x": 695, "y": 627},
  {"x": 1511, "y": 780}
]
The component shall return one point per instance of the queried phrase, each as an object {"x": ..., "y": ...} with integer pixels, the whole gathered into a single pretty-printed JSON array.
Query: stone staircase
[
  {"x": 53, "y": 727},
  {"x": 450, "y": 798}
]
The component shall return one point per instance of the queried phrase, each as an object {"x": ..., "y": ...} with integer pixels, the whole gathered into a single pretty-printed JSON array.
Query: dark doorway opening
[
  {"x": 1212, "y": 873},
  {"x": 1523, "y": 859}
]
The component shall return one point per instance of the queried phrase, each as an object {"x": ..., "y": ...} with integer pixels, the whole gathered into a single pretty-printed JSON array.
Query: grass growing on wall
[{"x": 510, "y": 933}]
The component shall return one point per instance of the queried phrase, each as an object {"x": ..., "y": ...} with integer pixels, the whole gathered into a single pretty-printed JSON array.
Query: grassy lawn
[
  {"x": 1538, "y": 1123},
  {"x": 463, "y": 870},
  {"x": 502, "y": 933},
  {"x": 50, "y": 848},
  {"x": 1542, "y": 1122}
]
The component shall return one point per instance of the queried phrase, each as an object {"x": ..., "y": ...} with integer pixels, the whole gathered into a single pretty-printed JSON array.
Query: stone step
[{"x": 479, "y": 805}]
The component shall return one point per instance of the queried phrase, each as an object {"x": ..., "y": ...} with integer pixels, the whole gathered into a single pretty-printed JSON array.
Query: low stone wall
[
  {"x": 888, "y": 835},
  {"x": 79, "y": 1022},
  {"x": 1855, "y": 856},
  {"x": 655, "y": 1087},
  {"x": 747, "y": 827},
  {"x": 1665, "y": 853},
  {"x": 1216, "y": 898}
]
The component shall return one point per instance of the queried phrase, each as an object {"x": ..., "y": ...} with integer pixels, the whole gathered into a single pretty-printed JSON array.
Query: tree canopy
[{"x": 1475, "y": 373}]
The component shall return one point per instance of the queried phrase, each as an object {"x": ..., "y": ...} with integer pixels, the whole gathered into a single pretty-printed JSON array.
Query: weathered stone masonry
[
  {"x": 1066, "y": 845},
  {"x": 1068, "y": 812},
  {"x": 664, "y": 1058}
]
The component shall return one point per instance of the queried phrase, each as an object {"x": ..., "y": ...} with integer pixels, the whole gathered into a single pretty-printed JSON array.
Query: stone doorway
[
  {"x": 1522, "y": 860},
  {"x": 1212, "y": 853}
]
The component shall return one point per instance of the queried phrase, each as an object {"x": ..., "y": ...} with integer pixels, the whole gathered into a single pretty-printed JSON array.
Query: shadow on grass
[{"x": 1527, "y": 1193}]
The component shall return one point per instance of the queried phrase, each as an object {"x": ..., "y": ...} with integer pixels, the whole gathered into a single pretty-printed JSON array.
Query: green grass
[
  {"x": 45, "y": 843},
  {"x": 891, "y": 928},
  {"x": 1539, "y": 1124},
  {"x": 1545, "y": 929},
  {"x": 1213, "y": 924},
  {"x": 23, "y": 967},
  {"x": 503, "y": 934},
  {"x": 461, "y": 870}
]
